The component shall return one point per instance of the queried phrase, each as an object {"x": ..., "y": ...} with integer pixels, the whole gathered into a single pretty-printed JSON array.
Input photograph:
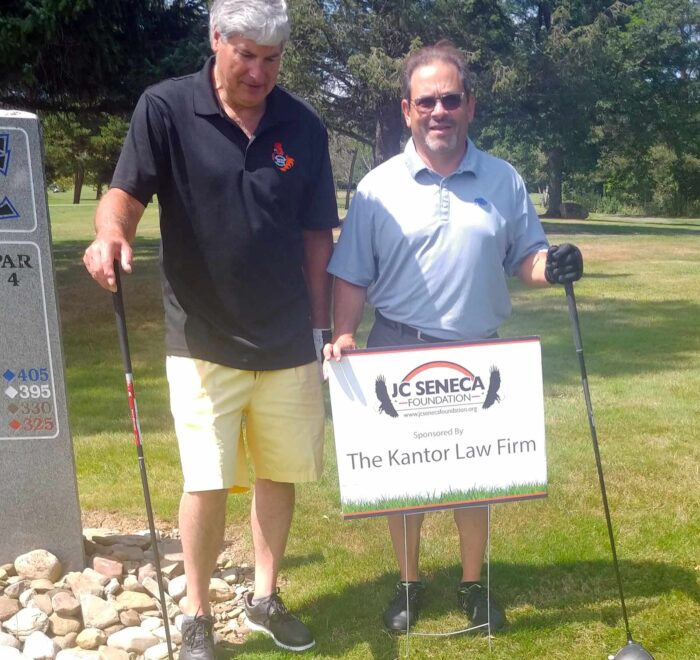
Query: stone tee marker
[{"x": 38, "y": 491}]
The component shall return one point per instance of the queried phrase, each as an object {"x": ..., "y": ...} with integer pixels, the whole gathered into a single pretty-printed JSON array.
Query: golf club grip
[{"x": 120, "y": 315}]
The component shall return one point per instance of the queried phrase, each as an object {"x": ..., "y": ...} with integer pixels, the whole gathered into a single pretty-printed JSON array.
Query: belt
[{"x": 404, "y": 329}]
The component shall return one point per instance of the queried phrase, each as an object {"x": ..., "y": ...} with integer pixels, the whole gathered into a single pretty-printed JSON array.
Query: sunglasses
[{"x": 448, "y": 101}]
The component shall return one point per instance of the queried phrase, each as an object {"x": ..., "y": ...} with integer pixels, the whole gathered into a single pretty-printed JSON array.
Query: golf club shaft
[
  {"x": 118, "y": 303},
  {"x": 578, "y": 344}
]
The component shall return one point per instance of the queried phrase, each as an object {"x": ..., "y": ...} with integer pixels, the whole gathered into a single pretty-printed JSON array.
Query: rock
[
  {"x": 98, "y": 613},
  {"x": 573, "y": 211},
  {"x": 41, "y": 585},
  {"x": 175, "y": 634},
  {"x": 131, "y": 583},
  {"x": 64, "y": 625},
  {"x": 109, "y": 653},
  {"x": 39, "y": 647},
  {"x": 112, "y": 588},
  {"x": 133, "y": 600},
  {"x": 171, "y": 570},
  {"x": 147, "y": 570},
  {"x": 26, "y": 596},
  {"x": 133, "y": 640},
  {"x": 69, "y": 641},
  {"x": 10, "y": 653},
  {"x": 82, "y": 585},
  {"x": 177, "y": 587},
  {"x": 77, "y": 654},
  {"x": 25, "y": 622},
  {"x": 129, "y": 618},
  {"x": 142, "y": 541},
  {"x": 151, "y": 623},
  {"x": 8, "y": 640},
  {"x": 151, "y": 586},
  {"x": 107, "y": 566},
  {"x": 8, "y": 608},
  {"x": 65, "y": 605},
  {"x": 15, "y": 589},
  {"x": 38, "y": 564},
  {"x": 91, "y": 639},
  {"x": 157, "y": 652},
  {"x": 230, "y": 576},
  {"x": 113, "y": 629},
  {"x": 126, "y": 552},
  {"x": 9, "y": 569},
  {"x": 219, "y": 591},
  {"x": 171, "y": 550},
  {"x": 42, "y": 602},
  {"x": 93, "y": 533},
  {"x": 95, "y": 576}
]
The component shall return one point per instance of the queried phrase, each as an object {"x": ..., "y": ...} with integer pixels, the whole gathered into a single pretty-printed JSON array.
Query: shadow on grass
[
  {"x": 552, "y": 596},
  {"x": 619, "y": 228}
]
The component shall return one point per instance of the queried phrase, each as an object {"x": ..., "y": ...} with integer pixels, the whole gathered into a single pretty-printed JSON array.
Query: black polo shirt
[{"x": 232, "y": 211}]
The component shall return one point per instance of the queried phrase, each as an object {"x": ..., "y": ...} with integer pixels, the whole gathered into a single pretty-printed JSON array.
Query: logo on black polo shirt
[{"x": 283, "y": 161}]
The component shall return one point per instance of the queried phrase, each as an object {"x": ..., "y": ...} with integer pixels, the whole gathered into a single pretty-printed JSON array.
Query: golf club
[
  {"x": 632, "y": 650},
  {"x": 118, "y": 303}
]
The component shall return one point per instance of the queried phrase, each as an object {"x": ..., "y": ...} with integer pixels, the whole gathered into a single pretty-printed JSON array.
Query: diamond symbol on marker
[
  {"x": 15, "y": 424},
  {"x": 13, "y": 408},
  {"x": 8, "y": 375},
  {"x": 11, "y": 392}
]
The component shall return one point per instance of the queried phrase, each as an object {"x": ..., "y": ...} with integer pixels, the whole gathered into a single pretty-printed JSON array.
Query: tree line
[{"x": 594, "y": 101}]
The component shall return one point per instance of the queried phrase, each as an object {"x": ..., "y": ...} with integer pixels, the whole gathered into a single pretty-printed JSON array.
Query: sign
[
  {"x": 38, "y": 487},
  {"x": 439, "y": 426}
]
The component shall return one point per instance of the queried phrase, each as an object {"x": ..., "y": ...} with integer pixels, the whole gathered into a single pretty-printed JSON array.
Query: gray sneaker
[
  {"x": 197, "y": 638},
  {"x": 271, "y": 617}
]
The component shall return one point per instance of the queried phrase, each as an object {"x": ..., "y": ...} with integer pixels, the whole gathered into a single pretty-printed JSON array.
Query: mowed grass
[{"x": 639, "y": 306}]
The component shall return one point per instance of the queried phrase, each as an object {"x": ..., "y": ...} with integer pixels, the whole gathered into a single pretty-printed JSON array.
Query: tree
[
  {"x": 548, "y": 91},
  {"x": 83, "y": 146},
  {"x": 87, "y": 54},
  {"x": 346, "y": 56}
]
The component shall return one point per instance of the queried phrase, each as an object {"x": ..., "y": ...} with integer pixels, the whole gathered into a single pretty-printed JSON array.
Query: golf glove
[{"x": 564, "y": 264}]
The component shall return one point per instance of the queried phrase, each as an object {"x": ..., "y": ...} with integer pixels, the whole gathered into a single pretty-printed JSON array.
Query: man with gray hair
[{"x": 242, "y": 174}]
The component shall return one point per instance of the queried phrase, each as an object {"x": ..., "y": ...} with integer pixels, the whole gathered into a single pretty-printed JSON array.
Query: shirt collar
[
  {"x": 206, "y": 101},
  {"x": 415, "y": 164}
]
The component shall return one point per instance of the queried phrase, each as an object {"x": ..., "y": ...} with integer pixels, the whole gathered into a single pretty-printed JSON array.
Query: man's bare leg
[
  {"x": 410, "y": 550},
  {"x": 472, "y": 524},
  {"x": 202, "y": 523},
  {"x": 270, "y": 519}
]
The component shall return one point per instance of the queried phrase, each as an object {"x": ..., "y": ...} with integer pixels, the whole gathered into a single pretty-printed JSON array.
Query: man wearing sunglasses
[{"x": 430, "y": 238}]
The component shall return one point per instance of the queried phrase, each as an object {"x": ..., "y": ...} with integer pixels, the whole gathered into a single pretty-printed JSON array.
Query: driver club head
[{"x": 632, "y": 651}]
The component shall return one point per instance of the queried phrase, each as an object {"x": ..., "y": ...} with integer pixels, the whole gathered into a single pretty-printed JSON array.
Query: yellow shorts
[{"x": 278, "y": 413}]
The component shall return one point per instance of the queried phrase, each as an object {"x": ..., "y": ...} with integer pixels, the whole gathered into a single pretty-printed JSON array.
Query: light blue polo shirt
[{"x": 434, "y": 252}]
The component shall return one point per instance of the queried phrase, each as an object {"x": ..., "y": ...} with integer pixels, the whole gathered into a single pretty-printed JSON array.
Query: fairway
[{"x": 639, "y": 307}]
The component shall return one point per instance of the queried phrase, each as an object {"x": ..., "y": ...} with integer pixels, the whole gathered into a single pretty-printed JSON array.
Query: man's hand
[
  {"x": 564, "y": 264},
  {"x": 100, "y": 256},
  {"x": 333, "y": 350},
  {"x": 116, "y": 218}
]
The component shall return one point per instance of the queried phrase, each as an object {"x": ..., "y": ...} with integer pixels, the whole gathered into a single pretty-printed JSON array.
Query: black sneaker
[
  {"x": 272, "y": 617},
  {"x": 402, "y": 611},
  {"x": 197, "y": 638},
  {"x": 474, "y": 600}
]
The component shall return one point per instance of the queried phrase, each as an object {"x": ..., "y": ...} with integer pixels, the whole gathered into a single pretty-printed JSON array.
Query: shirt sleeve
[
  {"x": 527, "y": 235},
  {"x": 353, "y": 259},
  {"x": 142, "y": 163},
  {"x": 322, "y": 207}
]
